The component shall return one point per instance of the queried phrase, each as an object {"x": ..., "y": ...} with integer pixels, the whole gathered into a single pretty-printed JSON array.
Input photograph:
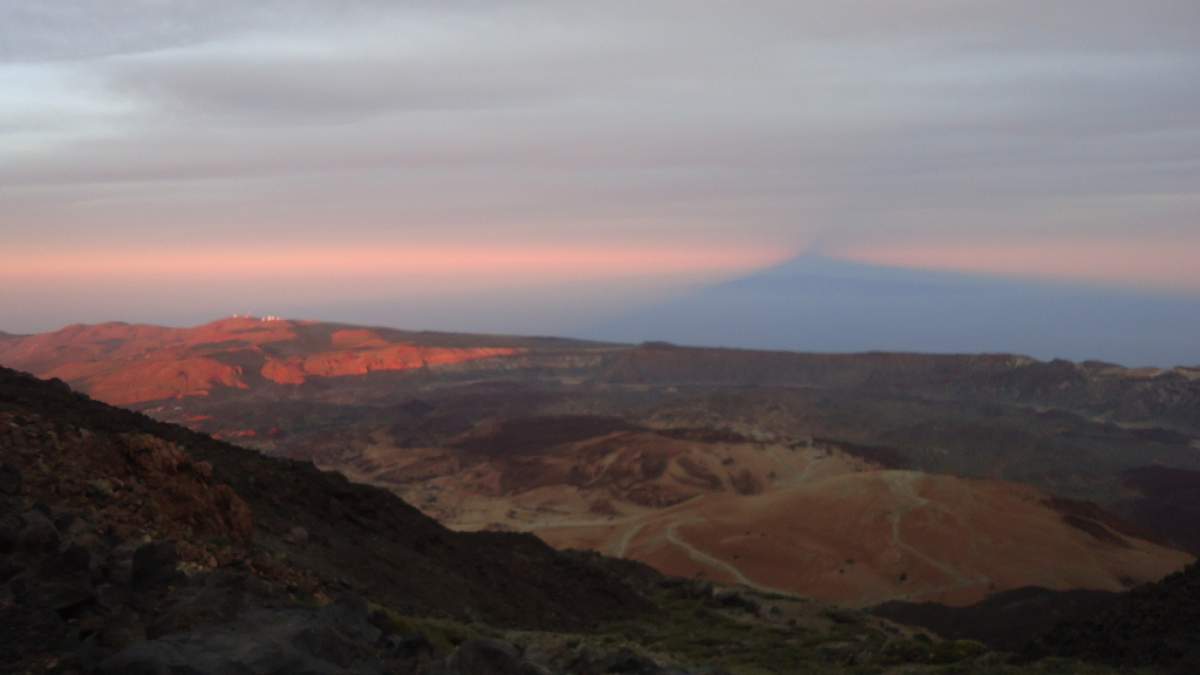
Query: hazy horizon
[
  {"x": 860, "y": 308},
  {"x": 561, "y": 167}
]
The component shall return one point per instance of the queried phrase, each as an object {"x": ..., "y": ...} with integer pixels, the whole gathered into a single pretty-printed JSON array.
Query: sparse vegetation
[{"x": 694, "y": 631}]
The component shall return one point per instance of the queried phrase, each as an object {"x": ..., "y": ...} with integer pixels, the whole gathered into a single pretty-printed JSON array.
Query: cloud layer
[{"x": 856, "y": 126}]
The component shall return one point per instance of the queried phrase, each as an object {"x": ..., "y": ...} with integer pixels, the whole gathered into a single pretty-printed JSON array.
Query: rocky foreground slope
[
  {"x": 133, "y": 546},
  {"x": 1155, "y": 625},
  {"x": 118, "y": 529}
]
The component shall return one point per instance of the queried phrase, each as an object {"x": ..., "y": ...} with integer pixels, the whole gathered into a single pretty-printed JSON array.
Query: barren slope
[
  {"x": 809, "y": 519},
  {"x": 672, "y": 455},
  {"x": 868, "y": 537}
]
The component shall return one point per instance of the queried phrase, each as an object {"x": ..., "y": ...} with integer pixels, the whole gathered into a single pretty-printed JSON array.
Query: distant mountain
[
  {"x": 816, "y": 303},
  {"x": 140, "y": 364},
  {"x": 125, "y": 363}
]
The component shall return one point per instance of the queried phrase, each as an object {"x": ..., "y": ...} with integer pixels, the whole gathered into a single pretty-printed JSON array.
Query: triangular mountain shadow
[{"x": 817, "y": 303}]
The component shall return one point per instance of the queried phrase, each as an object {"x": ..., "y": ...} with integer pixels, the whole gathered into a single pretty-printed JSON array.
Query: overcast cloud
[{"x": 847, "y": 125}]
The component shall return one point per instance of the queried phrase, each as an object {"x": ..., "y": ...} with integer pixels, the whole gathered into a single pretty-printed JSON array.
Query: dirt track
[
  {"x": 903, "y": 485},
  {"x": 699, "y": 556}
]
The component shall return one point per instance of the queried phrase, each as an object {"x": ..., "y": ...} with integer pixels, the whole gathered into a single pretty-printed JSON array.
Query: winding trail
[
  {"x": 903, "y": 485},
  {"x": 623, "y": 543},
  {"x": 711, "y": 561}
]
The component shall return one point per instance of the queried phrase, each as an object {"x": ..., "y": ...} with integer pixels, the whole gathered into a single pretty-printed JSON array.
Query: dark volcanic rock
[
  {"x": 335, "y": 640},
  {"x": 154, "y": 564},
  {"x": 1155, "y": 625},
  {"x": 204, "y": 491},
  {"x": 134, "y": 546},
  {"x": 1167, "y": 502},
  {"x": 1006, "y": 620},
  {"x": 61, "y": 582},
  {"x": 37, "y": 532},
  {"x": 623, "y": 660},
  {"x": 10, "y": 480},
  {"x": 487, "y": 656},
  {"x": 297, "y": 536}
]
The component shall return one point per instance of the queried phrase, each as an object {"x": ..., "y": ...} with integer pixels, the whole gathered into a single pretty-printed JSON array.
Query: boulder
[
  {"x": 38, "y": 532},
  {"x": 297, "y": 536},
  {"x": 475, "y": 657},
  {"x": 626, "y": 661},
  {"x": 10, "y": 480},
  {"x": 154, "y": 564},
  {"x": 61, "y": 582},
  {"x": 100, "y": 489},
  {"x": 335, "y": 640}
]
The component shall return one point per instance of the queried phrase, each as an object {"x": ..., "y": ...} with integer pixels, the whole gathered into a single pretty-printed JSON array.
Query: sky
[{"x": 531, "y": 166}]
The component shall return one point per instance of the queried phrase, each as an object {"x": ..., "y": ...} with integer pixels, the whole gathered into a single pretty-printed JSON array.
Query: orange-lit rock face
[
  {"x": 151, "y": 380},
  {"x": 372, "y": 358},
  {"x": 112, "y": 341},
  {"x": 283, "y": 372},
  {"x": 127, "y": 364},
  {"x": 356, "y": 339}
]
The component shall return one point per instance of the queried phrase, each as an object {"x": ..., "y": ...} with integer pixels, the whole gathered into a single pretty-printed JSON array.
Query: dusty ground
[
  {"x": 779, "y": 518},
  {"x": 864, "y": 538},
  {"x": 703, "y": 462}
]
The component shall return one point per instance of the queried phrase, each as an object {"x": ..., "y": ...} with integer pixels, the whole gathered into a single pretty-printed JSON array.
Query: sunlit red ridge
[{"x": 128, "y": 363}]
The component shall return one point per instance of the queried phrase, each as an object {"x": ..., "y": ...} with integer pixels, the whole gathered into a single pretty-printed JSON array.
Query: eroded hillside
[
  {"x": 672, "y": 455},
  {"x": 130, "y": 545}
]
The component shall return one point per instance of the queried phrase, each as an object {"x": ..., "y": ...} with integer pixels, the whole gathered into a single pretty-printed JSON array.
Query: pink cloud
[
  {"x": 1150, "y": 263},
  {"x": 462, "y": 265}
]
